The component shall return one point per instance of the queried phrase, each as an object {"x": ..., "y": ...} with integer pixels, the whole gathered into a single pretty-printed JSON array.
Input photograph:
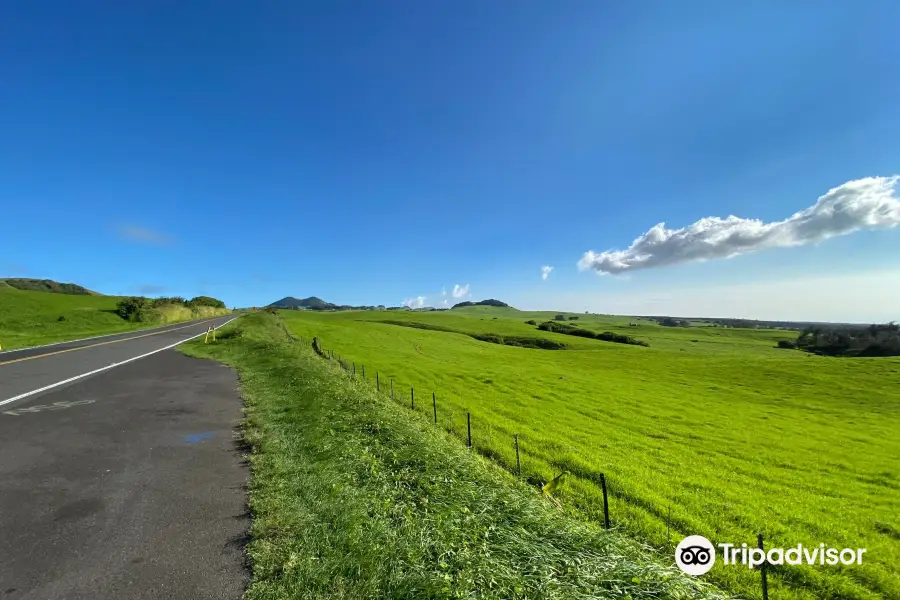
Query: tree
[{"x": 205, "y": 301}]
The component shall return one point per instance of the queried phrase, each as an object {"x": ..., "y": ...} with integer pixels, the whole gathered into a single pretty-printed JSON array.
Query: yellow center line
[{"x": 9, "y": 362}]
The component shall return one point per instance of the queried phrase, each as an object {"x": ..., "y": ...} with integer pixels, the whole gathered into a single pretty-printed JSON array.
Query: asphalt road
[{"x": 122, "y": 484}]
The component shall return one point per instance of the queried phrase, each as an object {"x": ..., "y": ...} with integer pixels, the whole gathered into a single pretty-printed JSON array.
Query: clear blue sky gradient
[{"x": 366, "y": 152}]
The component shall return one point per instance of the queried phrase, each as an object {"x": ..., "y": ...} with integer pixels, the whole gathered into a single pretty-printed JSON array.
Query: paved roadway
[{"x": 125, "y": 483}]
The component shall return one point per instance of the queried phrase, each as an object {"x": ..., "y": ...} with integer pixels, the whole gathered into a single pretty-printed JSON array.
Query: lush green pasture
[
  {"x": 353, "y": 497},
  {"x": 709, "y": 431},
  {"x": 32, "y": 318}
]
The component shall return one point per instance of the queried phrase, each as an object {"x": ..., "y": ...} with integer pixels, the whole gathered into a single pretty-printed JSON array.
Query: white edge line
[
  {"x": 94, "y": 337},
  {"x": 107, "y": 367}
]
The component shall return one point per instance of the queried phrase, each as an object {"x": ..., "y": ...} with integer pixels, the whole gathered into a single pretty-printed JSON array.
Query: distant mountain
[
  {"x": 48, "y": 285},
  {"x": 489, "y": 302},
  {"x": 311, "y": 303}
]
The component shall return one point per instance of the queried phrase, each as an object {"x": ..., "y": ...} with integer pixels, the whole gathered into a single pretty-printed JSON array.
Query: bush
[
  {"x": 670, "y": 322},
  {"x": 560, "y": 317},
  {"x": 606, "y": 336},
  {"x": 61, "y": 318},
  {"x": 521, "y": 342},
  {"x": 164, "y": 300},
  {"x": 787, "y": 344},
  {"x": 205, "y": 301},
  {"x": 573, "y": 318},
  {"x": 531, "y": 322},
  {"x": 272, "y": 310},
  {"x": 133, "y": 308}
]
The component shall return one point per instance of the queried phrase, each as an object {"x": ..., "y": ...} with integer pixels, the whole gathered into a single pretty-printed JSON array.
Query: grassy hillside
[
  {"x": 708, "y": 431},
  {"x": 354, "y": 497},
  {"x": 47, "y": 285},
  {"x": 29, "y": 318}
]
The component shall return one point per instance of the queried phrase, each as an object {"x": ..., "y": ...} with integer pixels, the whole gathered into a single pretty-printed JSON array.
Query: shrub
[
  {"x": 560, "y": 317},
  {"x": 133, "y": 308},
  {"x": 606, "y": 336},
  {"x": 522, "y": 342},
  {"x": 573, "y": 318},
  {"x": 272, "y": 310},
  {"x": 164, "y": 300},
  {"x": 531, "y": 322},
  {"x": 205, "y": 301},
  {"x": 787, "y": 344},
  {"x": 61, "y": 318}
]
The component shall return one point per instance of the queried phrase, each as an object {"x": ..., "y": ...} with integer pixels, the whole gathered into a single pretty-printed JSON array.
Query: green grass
[
  {"x": 355, "y": 497},
  {"x": 29, "y": 318},
  {"x": 710, "y": 431}
]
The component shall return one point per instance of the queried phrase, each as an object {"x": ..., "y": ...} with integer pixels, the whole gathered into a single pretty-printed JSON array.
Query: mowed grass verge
[
  {"x": 355, "y": 497},
  {"x": 709, "y": 431},
  {"x": 29, "y": 318}
]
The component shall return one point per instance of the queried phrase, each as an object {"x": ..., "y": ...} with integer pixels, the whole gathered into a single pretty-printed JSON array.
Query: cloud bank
[
  {"x": 867, "y": 203},
  {"x": 460, "y": 291},
  {"x": 417, "y": 302},
  {"x": 142, "y": 235},
  {"x": 545, "y": 272}
]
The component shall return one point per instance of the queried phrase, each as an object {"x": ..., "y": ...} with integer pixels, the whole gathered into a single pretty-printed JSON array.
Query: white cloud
[
  {"x": 867, "y": 203},
  {"x": 545, "y": 272},
  {"x": 445, "y": 303},
  {"x": 417, "y": 302},
  {"x": 460, "y": 291},
  {"x": 443, "y": 291}
]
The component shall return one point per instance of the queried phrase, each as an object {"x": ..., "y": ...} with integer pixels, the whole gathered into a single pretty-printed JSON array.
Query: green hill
[
  {"x": 32, "y": 318},
  {"x": 311, "y": 303},
  {"x": 48, "y": 285},
  {"x": 488, "y": 302}
]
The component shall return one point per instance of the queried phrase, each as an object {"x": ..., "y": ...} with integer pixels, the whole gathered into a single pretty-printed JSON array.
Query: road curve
[{"x": 25, "y": 373}]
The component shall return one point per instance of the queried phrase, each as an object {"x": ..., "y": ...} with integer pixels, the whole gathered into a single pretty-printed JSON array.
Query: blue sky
[{"x": 371, "y": 152}]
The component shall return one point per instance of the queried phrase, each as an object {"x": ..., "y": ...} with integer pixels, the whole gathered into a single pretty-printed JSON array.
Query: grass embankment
[
  {"x": 30, "y": 318},
  {"x": 355, "y": 497},
  {"x": 709, "y": 431},
  {"x": 173, "y": 313}
]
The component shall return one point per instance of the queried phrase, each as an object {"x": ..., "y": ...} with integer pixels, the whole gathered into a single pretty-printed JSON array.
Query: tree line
[{"x": 874, "y": 340}]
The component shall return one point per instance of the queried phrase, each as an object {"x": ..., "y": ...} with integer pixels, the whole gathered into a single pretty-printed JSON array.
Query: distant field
[{"x": 709, "y": 431}]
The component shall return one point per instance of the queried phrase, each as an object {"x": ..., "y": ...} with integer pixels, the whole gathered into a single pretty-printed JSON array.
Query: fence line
[{"x": 518, "y": 466}]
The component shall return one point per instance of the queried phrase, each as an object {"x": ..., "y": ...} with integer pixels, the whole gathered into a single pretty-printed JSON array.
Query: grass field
[
  {"x": 709, "y": 431},
  {"x": 32, "y": 318},
  {"x": 354, "y": 497}
]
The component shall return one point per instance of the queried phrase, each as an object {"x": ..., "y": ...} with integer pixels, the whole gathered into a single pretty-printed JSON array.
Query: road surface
[{"x": 123, "y": 483}]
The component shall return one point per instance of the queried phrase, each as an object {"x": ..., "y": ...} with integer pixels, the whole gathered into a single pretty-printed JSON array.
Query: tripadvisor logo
[{"x": 696, "y": 555}]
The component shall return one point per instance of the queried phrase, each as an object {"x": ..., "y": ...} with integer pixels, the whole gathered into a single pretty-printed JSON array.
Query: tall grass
[
  {"x": 355, "y": 497},
  {"x": 175, "y": 313}
]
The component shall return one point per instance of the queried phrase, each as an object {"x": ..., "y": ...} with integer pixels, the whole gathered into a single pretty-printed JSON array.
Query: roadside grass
[
  {"x": 710, "y": 431},
  {"x": 29, "y": 318},
  {"x": 355, "y": 497}
]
